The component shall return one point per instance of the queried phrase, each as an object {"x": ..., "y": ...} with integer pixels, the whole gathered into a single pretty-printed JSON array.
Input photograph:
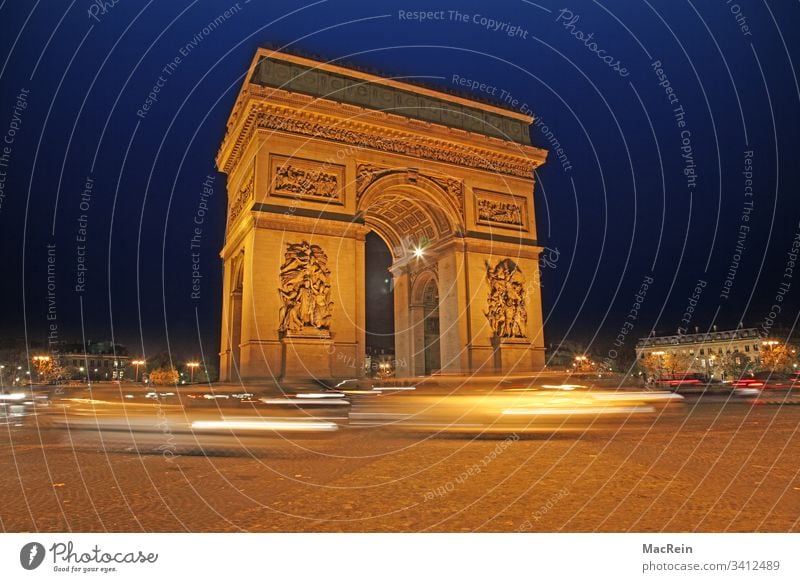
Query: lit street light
[
  {"x": 581, "y": 363},
  {"x": 40, "y": 363},
  {"x": 137, "y": 363},
  {"x": 192, "y": 366}
]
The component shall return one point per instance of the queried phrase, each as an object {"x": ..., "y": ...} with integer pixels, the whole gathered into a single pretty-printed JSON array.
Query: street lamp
[
  {"x": 769, "y": 345},
  {"x": 192, "y": 366},
  {"x": 137, "y": 363},
  {"x": 39, "y": 362}
]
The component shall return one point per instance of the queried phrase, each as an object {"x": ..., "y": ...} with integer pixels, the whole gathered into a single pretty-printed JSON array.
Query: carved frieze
[
  {"x": 306, "y": 179},
  {"x": 506, "y": 312},
  {"x": 496, "y": 209},
  {"x": 242, "y": 196},
  {"x": 360, "y": 135},
  {"x": 366, "y": 174},
  {"x": 305, "y": 290},
  {"x": 454, "y": 189}
]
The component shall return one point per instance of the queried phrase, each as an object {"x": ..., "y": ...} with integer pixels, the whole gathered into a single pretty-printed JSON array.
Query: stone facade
[
  {"x": 707, "y": 353},
  {"x": 312, "y": 170}
]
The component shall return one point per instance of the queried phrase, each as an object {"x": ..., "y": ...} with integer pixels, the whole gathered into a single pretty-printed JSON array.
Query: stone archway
[
  {"x": 317, "y": 156},
  {"x": 417, "y": 219},
  {"x": 424, "y": 318}
]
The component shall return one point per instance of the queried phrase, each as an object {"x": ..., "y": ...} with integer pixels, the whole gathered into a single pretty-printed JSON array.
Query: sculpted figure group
[
  {"x": 506, "y": 312},
  {"x": 305, "y": 182},
  {"x": 305, "y": 289},
  {"x": 502, "y": 212}
]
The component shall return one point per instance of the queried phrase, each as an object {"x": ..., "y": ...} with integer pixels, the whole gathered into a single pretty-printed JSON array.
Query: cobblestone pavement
[{"x": 711, "y": 467}]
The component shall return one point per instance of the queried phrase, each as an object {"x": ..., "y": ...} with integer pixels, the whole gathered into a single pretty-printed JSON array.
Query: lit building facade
[
  {"x": 98, "y": 361},
  {"x": 710, "y": 353},
  {"x": 317, "y": 156}
]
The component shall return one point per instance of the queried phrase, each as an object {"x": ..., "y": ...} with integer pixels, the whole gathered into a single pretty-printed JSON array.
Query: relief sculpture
[
  {"x": 314, "y": 183},
  {"x": 243, "y": 195},
  {"x": 358, "y": 135},
  {"x": 507, "y": 314},
  {"x": 500, "y": 212},
  {"x": 305, "y": 289}
]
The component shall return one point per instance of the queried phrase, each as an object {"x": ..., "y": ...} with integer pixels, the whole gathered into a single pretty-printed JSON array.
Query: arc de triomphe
[{"x": 318, "y": 155}]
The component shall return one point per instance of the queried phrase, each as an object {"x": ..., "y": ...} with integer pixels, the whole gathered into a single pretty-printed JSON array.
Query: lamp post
[
  {"x": 137, "y": 363},
  {"x": 39, "y": 362},
  {"x": 192, "y": 366},
  {"x": 769, "y": 346}
]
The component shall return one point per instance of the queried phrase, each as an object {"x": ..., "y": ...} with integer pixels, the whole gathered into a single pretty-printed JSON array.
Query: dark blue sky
[{"x": 619, "y": 209}]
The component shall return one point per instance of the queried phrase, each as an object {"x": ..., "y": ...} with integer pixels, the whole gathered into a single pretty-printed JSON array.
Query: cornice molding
[{"x": 261, "y": 115}]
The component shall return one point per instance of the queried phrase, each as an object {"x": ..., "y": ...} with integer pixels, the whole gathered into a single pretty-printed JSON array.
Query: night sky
[{"x": 646, "y": 189}]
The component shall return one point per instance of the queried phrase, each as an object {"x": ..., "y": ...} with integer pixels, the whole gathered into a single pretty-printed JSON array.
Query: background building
[
  {"x": 99, "y": 361},
  {"x": 716, "y": 354}
]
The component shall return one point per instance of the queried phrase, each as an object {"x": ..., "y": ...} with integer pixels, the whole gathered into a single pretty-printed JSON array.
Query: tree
[
  {"x": 73, "y": 373},
  {"x": 164, "y": 377},
  {"x": 778, "y": 358},
  {"x": 660, "y": 364},
  {"x": 735, "y": 365},
  {"x": 626, "y": 361},
  {"x": 160, "y": 361},
  {"x": 47, "y": 369},
  {"x": 206, "y": 373}
]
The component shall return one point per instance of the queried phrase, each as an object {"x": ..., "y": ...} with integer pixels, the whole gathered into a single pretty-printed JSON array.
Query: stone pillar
[
  {"x": 231, "y": 336},
  {"x": 403, "y": 340},
  {"x": 235, "y": 335},
  {"x": 224, "y": 340},
  {"x": 361, "y": 305},
  {"x": 453, "y": 338},
  {"x": 416, "y": 318}
]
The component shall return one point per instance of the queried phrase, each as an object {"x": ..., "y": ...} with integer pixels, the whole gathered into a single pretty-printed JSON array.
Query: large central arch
[
  {"x": 317, "y": 156},
  {"x": 417, "y": 220}
]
